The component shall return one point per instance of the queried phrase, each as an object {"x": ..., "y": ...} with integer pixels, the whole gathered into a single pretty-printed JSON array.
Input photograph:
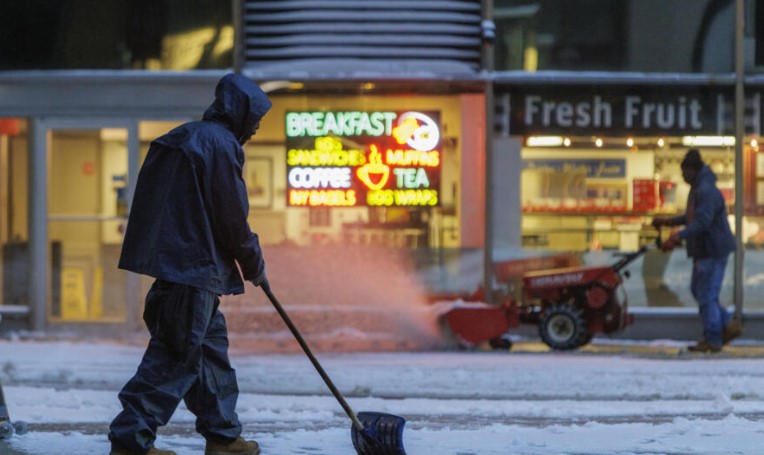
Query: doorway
[
  {"x": 87, "y": 168},
  {"x": 87, "y": 204}
]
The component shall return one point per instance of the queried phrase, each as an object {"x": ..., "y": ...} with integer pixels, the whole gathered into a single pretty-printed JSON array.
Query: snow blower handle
[
  {"x": 266, "y": 287},
  {"x": 627, "y": 258}
]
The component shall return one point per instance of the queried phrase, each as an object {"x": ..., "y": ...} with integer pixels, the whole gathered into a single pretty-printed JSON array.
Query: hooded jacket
[
  {"x": 188, "y": 220},
  {"x": 707, "y": 232}
]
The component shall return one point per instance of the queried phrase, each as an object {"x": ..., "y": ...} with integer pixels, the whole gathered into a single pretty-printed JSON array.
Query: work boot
[
  {"x": 733, "y": 330},
  {"x": 704, "y": 347},
  {"x": 115, "y": 450},
  {"x": 238, "y": 447}
]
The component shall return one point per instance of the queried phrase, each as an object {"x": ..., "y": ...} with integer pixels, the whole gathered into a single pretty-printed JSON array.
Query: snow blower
[
  {"x": 8, "y": 428},
  {"x": 373, "y": 433}
]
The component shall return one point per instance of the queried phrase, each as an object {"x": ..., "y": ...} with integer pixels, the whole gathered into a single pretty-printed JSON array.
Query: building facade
[
  {"x": 600, "y": 101},
  {"x": 596, "y": 101},
  {"x": 375, "y": 140}
]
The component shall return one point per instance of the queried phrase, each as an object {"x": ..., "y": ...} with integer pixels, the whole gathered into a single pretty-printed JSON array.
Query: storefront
[
  {"x": 601, "y": 157},
  {"x": 372, "y": 170},
  {"x": 64, "y": 207},
  {"x": 390, "y": 170}
]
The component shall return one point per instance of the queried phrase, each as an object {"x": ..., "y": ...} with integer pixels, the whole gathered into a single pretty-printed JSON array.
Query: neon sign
[
  {"x": 352, "y": 123},
  {"x": 352, "y": 158}
]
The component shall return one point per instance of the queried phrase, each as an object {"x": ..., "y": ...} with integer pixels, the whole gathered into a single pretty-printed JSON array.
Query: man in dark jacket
[
  {"x": 709, "y": 243},
  {"x": 188, "y": 229}
]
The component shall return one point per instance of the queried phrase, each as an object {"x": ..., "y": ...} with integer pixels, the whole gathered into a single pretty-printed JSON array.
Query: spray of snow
[{"x": 341, "y": 297}]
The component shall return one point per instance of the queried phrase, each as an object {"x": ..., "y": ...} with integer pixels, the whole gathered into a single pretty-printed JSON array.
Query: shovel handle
[{"x": 292, "y": 328}]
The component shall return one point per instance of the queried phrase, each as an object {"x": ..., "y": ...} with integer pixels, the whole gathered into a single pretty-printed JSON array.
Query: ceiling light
[
  {"x": 709, "y": 141},
  {"x": 544, "y": 141}
]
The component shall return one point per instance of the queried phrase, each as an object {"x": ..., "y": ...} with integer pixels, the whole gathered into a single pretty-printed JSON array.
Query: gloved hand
[
  {"x": 260, "y": 278},
  {"x": 670, "y": 243},
  {"x": 660, "y": 222}
]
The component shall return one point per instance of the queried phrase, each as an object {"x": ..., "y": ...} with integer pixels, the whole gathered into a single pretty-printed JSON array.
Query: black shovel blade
[{"x": 382, "y": 434}]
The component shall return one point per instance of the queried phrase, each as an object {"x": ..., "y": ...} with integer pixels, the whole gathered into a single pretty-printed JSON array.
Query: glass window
[
  {"x": 14, "y": 232},
  {"x": 87, "y": 205},
  {"x": 361, "y": 180},
  {"x": 598, "y": 198},
  {"x": 131, "y": 34},
  {"x": 624, "y": 35},
  {"x": 758, "y": 27}
]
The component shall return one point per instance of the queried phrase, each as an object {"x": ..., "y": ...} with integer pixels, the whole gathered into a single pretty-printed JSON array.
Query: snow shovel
[{"x": 373, "y": 433}]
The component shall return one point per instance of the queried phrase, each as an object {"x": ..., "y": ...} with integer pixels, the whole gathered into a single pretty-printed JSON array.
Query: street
[{"x": 640, "y": 398}]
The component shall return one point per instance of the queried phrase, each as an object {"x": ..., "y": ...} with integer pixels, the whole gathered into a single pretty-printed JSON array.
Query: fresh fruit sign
[{"x": 353, "y": 158}]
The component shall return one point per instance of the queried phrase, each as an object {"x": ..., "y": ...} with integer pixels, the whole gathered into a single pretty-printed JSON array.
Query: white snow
[{"x": 455, "y": 402}]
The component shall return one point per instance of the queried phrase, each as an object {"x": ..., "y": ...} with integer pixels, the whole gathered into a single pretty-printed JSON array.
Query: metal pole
[
  {"x": 238, "y": 35},
  {"x": 39, "y": 270},
  {"x": 739, "y": 138},
  {"x": 133, "y": 280},
  {"x": 488, "y": 67}
]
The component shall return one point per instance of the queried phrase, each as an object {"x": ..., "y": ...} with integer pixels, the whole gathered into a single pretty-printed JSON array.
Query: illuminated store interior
[
  {"x": 588, "y": 193},
  {"x": 378, "y": 171}
]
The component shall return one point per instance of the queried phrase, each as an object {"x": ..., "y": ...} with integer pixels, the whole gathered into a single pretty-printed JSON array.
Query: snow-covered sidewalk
[{"x": 455, "y": 403}]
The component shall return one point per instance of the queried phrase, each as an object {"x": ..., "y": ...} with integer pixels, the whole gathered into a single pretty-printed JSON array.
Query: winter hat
[{"x": 692, "y": 160}]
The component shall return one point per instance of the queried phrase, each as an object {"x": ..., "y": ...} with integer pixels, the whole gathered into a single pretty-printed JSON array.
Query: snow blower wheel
[
  {"x": 6, "y": 430},
  {"x": 20, "y": 427},
  {"x": 563, "y": 327}
]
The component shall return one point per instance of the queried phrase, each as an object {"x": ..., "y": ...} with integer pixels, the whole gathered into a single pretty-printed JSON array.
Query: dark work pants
[
  {"x": 186, "y": 359},
  {"x": 706, "y": 285}
]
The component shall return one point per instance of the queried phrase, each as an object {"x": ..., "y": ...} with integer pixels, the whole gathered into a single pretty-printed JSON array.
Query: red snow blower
[{"x": 568, "y": 304}]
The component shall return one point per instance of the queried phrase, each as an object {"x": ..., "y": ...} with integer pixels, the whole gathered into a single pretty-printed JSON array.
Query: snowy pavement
[{"x": 644, "y": 398}]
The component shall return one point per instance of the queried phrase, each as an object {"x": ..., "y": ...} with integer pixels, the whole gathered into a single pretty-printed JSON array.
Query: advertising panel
[
  {"x": 363, "y": 158},
  {"x": 638, "y": 110}
]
